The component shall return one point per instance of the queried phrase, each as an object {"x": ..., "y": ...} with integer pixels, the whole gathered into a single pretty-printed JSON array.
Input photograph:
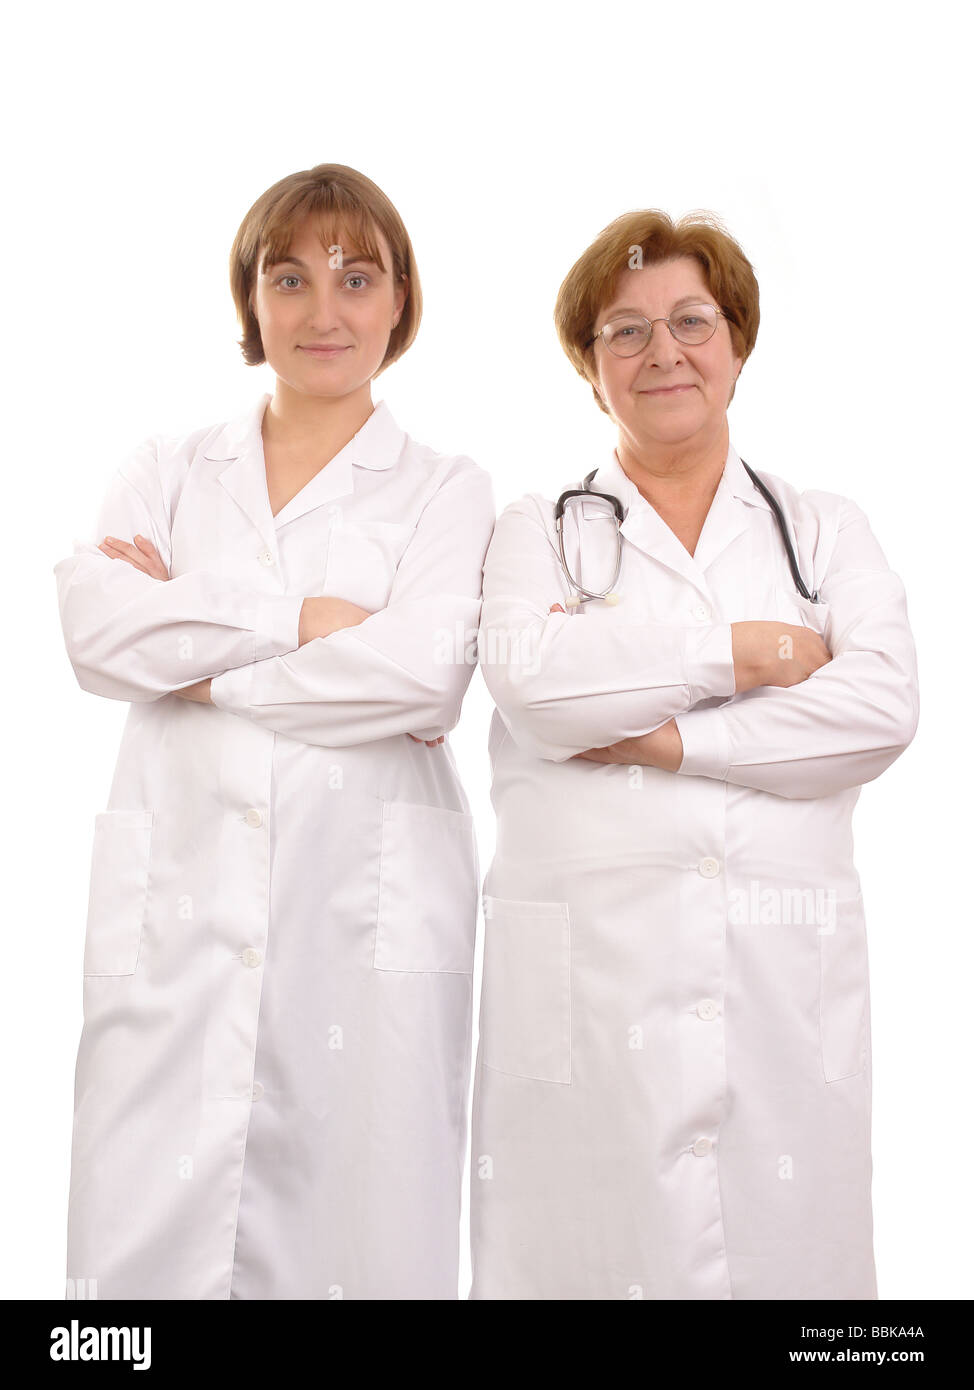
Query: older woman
[
  {"x": 672, "y": 1095},
  {"x": 272, "y": 1074}
]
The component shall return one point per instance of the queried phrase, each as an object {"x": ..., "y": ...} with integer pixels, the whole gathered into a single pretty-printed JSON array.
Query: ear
[{"x": 400, "y": 297}]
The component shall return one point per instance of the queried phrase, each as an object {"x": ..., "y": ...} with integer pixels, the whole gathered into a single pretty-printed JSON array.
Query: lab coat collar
[
  {"x": 645, "y": 528},
  {"x": 377, "y": 445}
]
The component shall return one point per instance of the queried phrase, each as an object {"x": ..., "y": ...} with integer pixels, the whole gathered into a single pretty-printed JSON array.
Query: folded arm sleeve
[
  {"x": 565, "y": 683},
  {"x": 132, "y": 637},
  {"x": 851, "y": 718},
  {"x": 404, "y": 669}
]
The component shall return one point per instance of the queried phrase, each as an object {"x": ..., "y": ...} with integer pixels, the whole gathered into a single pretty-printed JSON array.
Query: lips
[
  {"x": 324, "y": 349},
  {"x": 669, "y": 390}
]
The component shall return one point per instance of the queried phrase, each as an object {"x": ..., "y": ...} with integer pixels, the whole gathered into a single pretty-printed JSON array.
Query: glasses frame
[{"x": 697, "y": 304}]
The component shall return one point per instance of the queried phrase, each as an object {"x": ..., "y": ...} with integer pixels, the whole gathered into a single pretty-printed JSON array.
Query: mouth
[
  {"x": 324, "y": 352},
  {"x": 667, "y": 391}
]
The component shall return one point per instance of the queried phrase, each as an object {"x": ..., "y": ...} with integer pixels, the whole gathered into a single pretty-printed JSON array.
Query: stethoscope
[{"x": 608, "y": 595}]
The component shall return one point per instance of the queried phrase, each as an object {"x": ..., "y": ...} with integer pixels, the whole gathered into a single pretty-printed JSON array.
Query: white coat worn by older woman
[{"x": 672, "y": 1095}]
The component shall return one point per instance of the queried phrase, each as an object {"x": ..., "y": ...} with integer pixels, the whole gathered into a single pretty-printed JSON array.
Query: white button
[
  {"x": 254, "y": 817},
  {"x": 251, "y": 956},
  {"x": 701, "y": 612},
  {"x": 265, "y": 557},
  {"x": 707, "y": 1008},
  {"x": 709, "y": 868},
  {"x": 702, "y": 1147},
  {"x": 258, "y": 1090}
]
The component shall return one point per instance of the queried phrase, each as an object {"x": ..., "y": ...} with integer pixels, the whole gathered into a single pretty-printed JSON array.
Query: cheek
[{"x": 618, "y": 375}]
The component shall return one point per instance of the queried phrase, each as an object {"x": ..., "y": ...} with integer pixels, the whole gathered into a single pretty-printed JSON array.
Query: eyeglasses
[{"x": 692, "y": 324}]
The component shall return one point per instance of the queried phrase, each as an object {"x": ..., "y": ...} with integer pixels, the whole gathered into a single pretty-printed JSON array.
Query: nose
[
  {"x": 324, "y": 308},
  {"x": 662, "y": 349}
]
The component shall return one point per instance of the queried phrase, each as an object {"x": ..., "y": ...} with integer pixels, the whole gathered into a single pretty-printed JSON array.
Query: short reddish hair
[
  {"x": 351, "y": 207},
  {"x": 590, "y": 284}
]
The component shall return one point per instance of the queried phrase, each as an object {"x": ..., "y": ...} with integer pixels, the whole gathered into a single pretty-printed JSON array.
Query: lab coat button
[
  {"x": 701, "y": 612},
  {"x": 258, "y": 1090},
  {"x": 707, "y": 1008},
  {"x": 254, "y": 817},
  {"x": 251, "y": 956},
  {"x": 265, "y": 557},
  {"x": 709, "y": 868},
  {"x": 702, "y": 1147}
]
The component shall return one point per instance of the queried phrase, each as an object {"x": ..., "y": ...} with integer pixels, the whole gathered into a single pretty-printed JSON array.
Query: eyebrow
[
  {"x": 687, "y": 299},
  {"x": 346, "y": 260}
]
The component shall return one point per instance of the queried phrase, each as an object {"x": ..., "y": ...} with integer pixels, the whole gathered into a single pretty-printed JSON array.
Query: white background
[{"x": 834, "y": 142}]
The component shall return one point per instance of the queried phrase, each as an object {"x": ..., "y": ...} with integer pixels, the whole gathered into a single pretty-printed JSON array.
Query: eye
[
  {"x": 281, "y": 278},
  {"x": 356, "y": 275}
]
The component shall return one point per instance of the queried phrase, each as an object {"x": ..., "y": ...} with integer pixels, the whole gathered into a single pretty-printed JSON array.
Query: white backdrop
[{"x": 834, "y": 142}]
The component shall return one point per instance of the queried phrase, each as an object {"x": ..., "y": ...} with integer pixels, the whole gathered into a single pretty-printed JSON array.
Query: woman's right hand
[
  {"x": 321, "y": 615},
  {"x": 773, "y": 653}
]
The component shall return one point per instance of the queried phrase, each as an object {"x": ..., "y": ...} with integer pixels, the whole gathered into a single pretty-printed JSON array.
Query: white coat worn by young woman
[
  {"x": 272, "y": 1075},
  {"x": 672, "y": 1096}
]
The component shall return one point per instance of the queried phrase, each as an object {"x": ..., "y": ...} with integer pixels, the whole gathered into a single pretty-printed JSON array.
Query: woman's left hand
[
  {"x": 141, "y": 556},
  {"x": 200, "y": 692},
  {"x": 663, "y": 748}
]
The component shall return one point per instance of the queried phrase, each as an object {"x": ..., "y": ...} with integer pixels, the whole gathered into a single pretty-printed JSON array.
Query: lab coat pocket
[
  {"x": 844, "y": 990},
  {"x": 525, "y": 1023},
  {"x": 428, "y": 883},
  {"x": 363, "y": 557},
  {"x": 118, "y": 891}
]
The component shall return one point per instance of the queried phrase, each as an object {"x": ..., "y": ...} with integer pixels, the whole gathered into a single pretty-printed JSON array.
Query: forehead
[
  {"x": 310, "y": 238},
  {"x": 659, "y": 287}
]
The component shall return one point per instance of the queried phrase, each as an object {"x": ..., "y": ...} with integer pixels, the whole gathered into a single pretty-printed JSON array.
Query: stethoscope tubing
[{"x": 583, "y": 594}]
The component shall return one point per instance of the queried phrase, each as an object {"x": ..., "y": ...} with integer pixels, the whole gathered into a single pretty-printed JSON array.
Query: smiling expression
[
  {"x": 325, "y": 327},
  {"x": 670, "y": 393}
]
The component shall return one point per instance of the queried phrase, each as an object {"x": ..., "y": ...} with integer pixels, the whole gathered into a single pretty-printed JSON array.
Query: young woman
[{"x": 271, "y": 1081}]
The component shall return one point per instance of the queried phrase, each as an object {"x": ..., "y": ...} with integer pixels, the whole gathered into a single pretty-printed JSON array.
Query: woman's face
[
  {"x": 638, "y": 390},
  {"x": 325, "y": 326}
]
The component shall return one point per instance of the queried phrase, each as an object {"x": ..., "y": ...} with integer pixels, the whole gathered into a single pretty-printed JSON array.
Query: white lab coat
[
  {"x": 272, "y": 1074},
  {"x": 673, "y": 1085}
]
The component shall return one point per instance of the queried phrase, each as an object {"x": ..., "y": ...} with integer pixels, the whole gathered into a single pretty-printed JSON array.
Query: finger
[
  {"x": 114, "y": 554},
  {"x": 414, "y": 738},
  {"x": 146, "y": 546},
  {"x": 126, "y": 547}
]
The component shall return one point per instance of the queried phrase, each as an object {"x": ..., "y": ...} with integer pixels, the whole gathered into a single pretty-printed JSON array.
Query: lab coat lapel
[
  {"x": 644, "y": 528},
  {"x": 239, "y": 443},
  {"x": 377, "y": 445},
  {"x": 730, "y": 512}
]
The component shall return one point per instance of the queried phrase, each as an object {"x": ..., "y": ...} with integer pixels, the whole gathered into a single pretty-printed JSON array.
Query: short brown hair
[
  {"x": 591, "y": 282},
  {"x": 353, "y": 206}
]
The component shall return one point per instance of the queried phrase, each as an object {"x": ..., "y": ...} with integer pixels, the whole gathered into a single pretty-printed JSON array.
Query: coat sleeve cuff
[
  {"x": 276, "y": 625},
  {"x": 231, "y": 690},
  {"x": 710, "y": 662},
  {"x": 706, "y": 743}
]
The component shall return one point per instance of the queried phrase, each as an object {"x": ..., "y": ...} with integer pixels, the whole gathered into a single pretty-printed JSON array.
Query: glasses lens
[
  {"x": 625, "y": 336},
  {"x": 694, "y": 323}
]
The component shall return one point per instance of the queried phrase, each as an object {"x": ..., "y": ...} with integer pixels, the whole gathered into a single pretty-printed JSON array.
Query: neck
[
  {"x": 319, "y": 426},
  {"x": 675, "y": 477}
]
